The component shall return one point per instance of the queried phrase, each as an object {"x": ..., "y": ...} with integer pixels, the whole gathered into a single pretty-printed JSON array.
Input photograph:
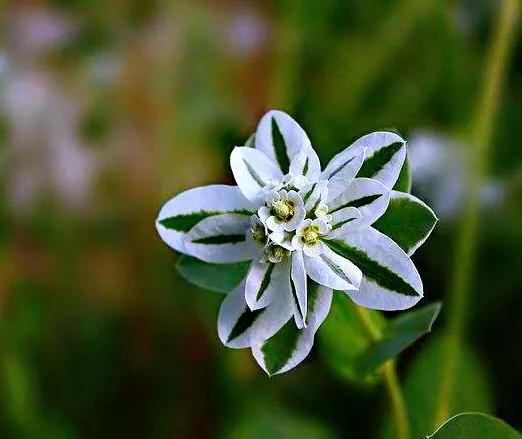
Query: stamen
[
  {"x": 276, "y": 254},
  {"x": 258, "y": 233},
  {"x": 310, "y": 235},
  {"x": 283, "y": 209}
]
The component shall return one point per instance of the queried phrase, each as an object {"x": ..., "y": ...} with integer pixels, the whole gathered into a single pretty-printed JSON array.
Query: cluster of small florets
[{"x": 293, "y": 217}]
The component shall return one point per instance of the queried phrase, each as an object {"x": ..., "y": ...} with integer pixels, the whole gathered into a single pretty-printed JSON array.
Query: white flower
[
  {"x": 308, "y": 237},
  {"x": 283, "y": 211},
  {"x": 307, "y": 232}
]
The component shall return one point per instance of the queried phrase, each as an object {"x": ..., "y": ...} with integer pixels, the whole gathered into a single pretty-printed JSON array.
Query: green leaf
[
  {"x": 397, "y": 336},
  {"x": 215, "y": 277},
  {"x": 424, "y": 379},
  {"x": 344, "y": 339},
  {"x": 408, "y": 221},
  {"x": 403, "y": 183},
  {"x": 357, "y": 357},
  {"x": 475, "y": 426},
  {"x": 290, "y": 345}
]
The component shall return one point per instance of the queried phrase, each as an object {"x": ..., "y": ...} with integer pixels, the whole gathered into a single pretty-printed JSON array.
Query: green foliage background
[{"x": 100, "y": 336}]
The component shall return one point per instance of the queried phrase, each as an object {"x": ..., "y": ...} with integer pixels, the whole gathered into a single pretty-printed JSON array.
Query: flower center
[
  {"x": 258, "y": 233},
  {"x": 283, "y": 209},
  {"x": 276, "y": 253},
  {"x": 310, "y": 235}
]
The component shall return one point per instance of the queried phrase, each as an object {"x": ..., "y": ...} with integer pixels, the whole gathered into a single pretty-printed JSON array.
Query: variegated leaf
[
  {"x": 385, "y": 153},
  {"x": 290, "y": 345},
  {"x": 390, "y": 280},
  {"x": 281, "y": 138},
  {"x": 240, "y": 327},
  {"x": 342, "y": 169},
  {"x": 252, "y": 171},
  {"x": 187, "y": 209},
  {"x": 263, "y": 282},
  {"x": 369, "y": 197},
  {"x": 333, "y": 270},
  {"x": 221, "y": 239}
]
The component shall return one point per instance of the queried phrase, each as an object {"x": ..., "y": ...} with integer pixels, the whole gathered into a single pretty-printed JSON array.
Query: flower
[
  {"x": 283, "y": 211},
  {"x": 306, "y": 232},
  {"x": 308, "y": 236}
]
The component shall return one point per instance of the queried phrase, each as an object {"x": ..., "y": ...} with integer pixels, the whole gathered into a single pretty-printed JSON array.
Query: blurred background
[{"x": 109, "y": 108}]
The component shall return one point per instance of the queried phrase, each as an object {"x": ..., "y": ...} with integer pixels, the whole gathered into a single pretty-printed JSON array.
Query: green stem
[
  {"x": 393, "y": 387},
  {"x": 389, "y": 375},
  {"x": 466, "y": 246}
]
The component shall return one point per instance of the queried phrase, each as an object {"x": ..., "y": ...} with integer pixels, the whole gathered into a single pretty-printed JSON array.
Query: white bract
[{"x": 306, "y": 232}]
